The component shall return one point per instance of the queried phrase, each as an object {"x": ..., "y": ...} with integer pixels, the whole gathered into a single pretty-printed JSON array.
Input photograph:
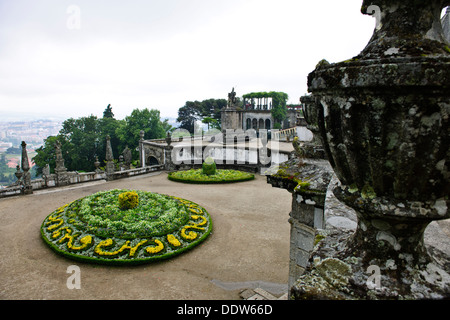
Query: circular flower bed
[
  {"x": 126, "y": 227},
  {"x": 220, "y": 176}
]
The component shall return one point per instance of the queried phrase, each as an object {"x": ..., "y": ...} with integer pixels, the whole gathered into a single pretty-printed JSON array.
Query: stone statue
[
  {"x": 46, "y": 170},
  {"x": 58, "y": 150},
  {"x": 127, "y": 157},
  {"x": 231, "y": 98},
  {"x": 60, "y": 167}
]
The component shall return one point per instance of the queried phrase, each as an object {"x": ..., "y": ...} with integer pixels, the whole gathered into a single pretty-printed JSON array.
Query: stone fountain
[{"x": 384, "y": 120}]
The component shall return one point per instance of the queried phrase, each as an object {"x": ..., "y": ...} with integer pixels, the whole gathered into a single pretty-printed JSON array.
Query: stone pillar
[
  {"x": 110, "y": 168},
  {"x": 62, "y": 178},
  {"x": 231, "y": 116},
  {"x": 308, "y": 181},
  {"x": 169, "y": 165},
  {"x": 141, "y": 149},
  {"x": 26, "y": 178}
]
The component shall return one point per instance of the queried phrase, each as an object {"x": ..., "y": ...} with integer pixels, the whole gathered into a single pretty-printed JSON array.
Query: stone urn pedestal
[{"x": 384, "y": 121}]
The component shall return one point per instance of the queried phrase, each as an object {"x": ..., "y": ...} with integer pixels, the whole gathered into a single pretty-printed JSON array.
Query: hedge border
[{"x": 172, "y": 178}]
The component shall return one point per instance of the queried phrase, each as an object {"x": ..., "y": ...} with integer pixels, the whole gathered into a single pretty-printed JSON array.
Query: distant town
[
  {"x": 12, "y": 133},
  {"x": 32, "y": 132}
]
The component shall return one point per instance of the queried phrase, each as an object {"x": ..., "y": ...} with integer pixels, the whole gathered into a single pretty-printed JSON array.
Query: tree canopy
[
  {"x": 279, "y": 99},
  {"x": 84, "y": 139},
  {"x": 208, "y": 110}
]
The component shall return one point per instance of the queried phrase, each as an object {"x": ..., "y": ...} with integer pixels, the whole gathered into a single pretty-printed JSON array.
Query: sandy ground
[{"x": 249, "y": 246}]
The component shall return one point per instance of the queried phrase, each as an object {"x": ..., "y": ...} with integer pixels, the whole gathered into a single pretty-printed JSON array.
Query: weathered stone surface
[
  {"x": 308, "y": 178},
  {"x": 384, "y": 120},
  {"x": 384, "y": 115}
]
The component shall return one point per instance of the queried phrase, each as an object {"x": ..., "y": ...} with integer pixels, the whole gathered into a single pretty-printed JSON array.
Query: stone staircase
[{"x": 260, "y": 294}]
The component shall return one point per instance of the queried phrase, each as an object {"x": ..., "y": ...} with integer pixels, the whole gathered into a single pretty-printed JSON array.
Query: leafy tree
[
  {"x": 188, "y": 114},
  {"x": 167, "y": 126},
  {"x": 147, "y": 120},
  {"x": 85, "y": 138},
  {"x": 79, "y": 147},
  {"x": 279, "y": 109},
  {"x": 108, "y": 112},
  {"x": 213, "y": 108},
  {"x": 107, "y": 126},
  {"x": 7, "y": 176},
  {"x": 46, "y": 154},
  {"x": 211, "y": 122},
  {"x": 196, "y": 110}
]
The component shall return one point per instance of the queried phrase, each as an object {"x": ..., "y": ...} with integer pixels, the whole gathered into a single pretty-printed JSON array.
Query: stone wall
[{"x": 51, "y": 181}]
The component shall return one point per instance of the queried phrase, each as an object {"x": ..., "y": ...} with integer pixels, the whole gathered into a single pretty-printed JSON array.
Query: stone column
[
  {"x": 307, "y": 180},
  {"x": 26, "y": 178},
  {"x": 141, "y": 149},
  {"x": 169, "y": 165},
  {"x": 62, "y": 177},
  {"x": 110, "y": 168}
]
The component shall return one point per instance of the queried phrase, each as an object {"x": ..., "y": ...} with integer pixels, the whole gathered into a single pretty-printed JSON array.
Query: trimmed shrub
[
  {"x": 128, "y": 200},
  {"x": 221, "y": 176},
  {"x": 209, "y": 167}
]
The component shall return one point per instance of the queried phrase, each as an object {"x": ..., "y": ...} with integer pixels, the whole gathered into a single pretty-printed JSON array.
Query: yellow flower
[
  {"x": 195, "y": 217},
  {"x": 191, "y": 235},
  {"x": 173, "y": 241},
  {"x": 158, "y": 248},
  {"x": 85, "y": 242},
  {"x": 128, "y": 200},
  {"x": 105, "y": 243}
]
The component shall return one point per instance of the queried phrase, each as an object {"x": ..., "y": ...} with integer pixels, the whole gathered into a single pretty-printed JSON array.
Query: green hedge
[{"x": 196, "y": 176}]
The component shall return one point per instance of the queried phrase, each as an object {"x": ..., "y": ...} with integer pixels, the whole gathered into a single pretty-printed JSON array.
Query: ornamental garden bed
[
  {"x": 208, "y": 174},
  {"x": 120, "y": 227},
  {"x": 221, "y": 176}
]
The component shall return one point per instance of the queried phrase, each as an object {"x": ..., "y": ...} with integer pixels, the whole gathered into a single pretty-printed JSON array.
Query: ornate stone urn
[{"x": 384, "y": 121}]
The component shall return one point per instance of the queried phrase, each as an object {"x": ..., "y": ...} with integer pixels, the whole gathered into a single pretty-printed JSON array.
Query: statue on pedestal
[{"x": 231, "y": 99}]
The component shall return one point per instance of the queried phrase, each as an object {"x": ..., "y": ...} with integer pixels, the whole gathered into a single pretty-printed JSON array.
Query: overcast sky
[{"x": 73, "y": 58}]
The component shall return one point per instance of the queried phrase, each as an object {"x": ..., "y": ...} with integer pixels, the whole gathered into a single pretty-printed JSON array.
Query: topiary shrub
[
  {"x": 128, "y": 200},
  {"x": 221, "y": 176},
  {"x": 209, "y": 166}
]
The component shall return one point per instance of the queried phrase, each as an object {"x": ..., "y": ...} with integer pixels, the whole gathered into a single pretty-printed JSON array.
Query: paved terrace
[{"x": 248, "y": 248}]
